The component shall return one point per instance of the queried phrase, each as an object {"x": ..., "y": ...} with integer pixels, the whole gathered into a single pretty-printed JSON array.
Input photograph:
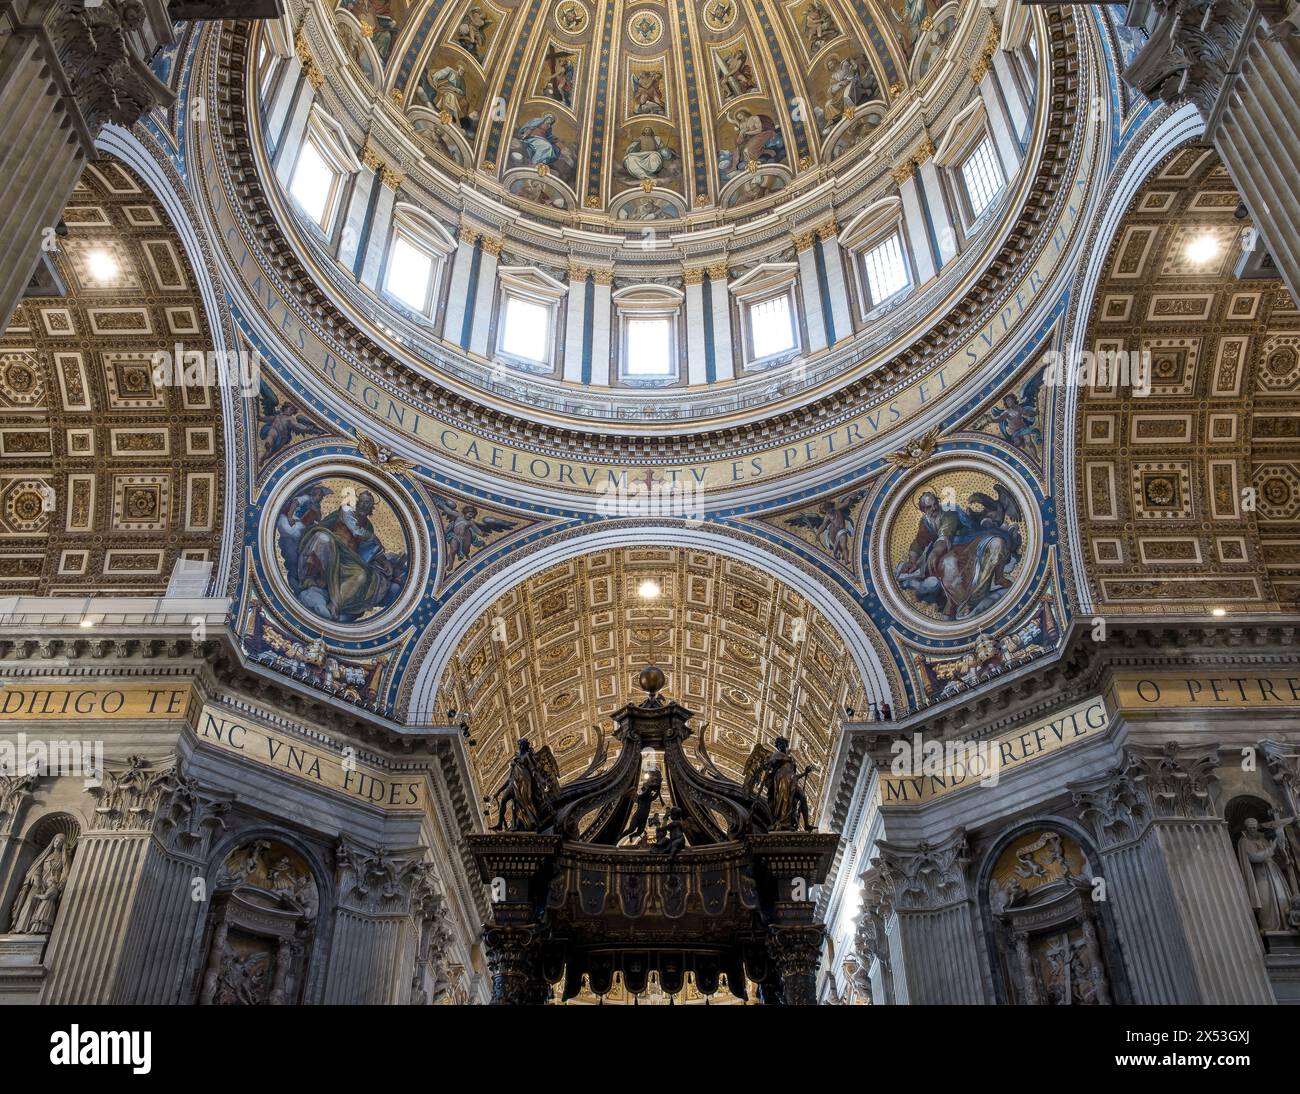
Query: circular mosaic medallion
[
  {"x": 343, "y": 550},
  {"x": 958, "y": 546},
  {"x": 645, "y": 28},
  {"x": 571, "y": 17}
]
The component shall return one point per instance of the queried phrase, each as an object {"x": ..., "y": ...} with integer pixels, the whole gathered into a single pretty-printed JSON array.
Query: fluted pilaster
[{"x": 932, "y": 944}]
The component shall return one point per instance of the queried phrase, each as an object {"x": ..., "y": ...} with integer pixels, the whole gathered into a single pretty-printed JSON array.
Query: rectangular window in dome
[
  {"x": 313, "y": 183},
  {"x": 886, "y": 268},
  {"x": 649, "y": 347},
  {"x": 982, "y": 175},
  {"x": 526, "y": 330},
  {"x": 266, "y": 64},
  {"x": 410, "y": 274},
  {"x": 771, "y": 326}
]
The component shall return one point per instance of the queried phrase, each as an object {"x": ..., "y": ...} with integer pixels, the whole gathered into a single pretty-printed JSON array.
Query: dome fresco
[{"x": 644, "y": 111}]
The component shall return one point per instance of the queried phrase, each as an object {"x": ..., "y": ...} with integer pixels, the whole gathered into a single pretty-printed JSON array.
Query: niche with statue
[
  {"x": 44, "y": 871},
  {"x": 1049, "y": 933},
  {"x": 259, "y": 931},
  {"x": 1265, "y": 847}
]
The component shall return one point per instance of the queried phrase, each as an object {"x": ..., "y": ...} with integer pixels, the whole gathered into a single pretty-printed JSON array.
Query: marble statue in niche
[
  {"x": 1269, "y": 874},
  {"x": 38, "y": 899},
  {"x": 343, "y": 549}
]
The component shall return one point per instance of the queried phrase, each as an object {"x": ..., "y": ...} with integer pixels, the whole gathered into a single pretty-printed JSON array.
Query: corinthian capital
[
  {"x": 1112, "y": 806},
  {"x": 925, "y": 877},
  {"x": 127, "y": 798},
  {"x": 1188, "y": 57},
  {"x": 1284, "y": 765},
  {"x": 191, "y": 815},
  {"x": 104, "y": 50},
  {"x": 1177, "y": 781},
  {"x": 14, "y": 790},
  {"x": 877, "y": 906},
  {"x": 377, "y": 881}
]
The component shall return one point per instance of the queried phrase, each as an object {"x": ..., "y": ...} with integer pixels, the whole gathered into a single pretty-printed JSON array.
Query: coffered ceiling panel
[
  {"x": 109, "y": 470},
  {"x": 555, "y": 656},
  {"x": 1190, "y": 493}
]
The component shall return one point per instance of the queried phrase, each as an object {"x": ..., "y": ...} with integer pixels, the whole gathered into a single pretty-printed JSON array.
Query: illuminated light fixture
[
  {"x": 648, "y": 589},
  {"x": 1219, "y": 612},
  {"x": 1203, "y": 250},
  {"x": 86, "y": 621},
  {"x": 102, "y": 265}
]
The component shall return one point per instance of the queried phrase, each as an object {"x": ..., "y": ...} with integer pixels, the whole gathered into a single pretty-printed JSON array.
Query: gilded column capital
[
  {"x": 719, "y": 272},
  {"x": 901, "y": 173},
  {"x": 491, "y": 245},
  {"x": 829, "y": 229},
  {"x": 577, "y": 273},
  {"x": 467, "y": 235},
  {"x": 390, "y": 177},
  {"x": 983, "y": 62},
  {"x": 693, "y": 275},
  {"x": 804, "y": 240},
  {"x": 602, "y": 276}
]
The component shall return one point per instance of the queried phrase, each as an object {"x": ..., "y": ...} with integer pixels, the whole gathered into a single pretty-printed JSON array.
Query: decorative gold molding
[
  {"x": 390, "y": 177},
  {"x": 603, "y": 276},
  {"x": 467, "y": 235},
  {"x": 310, "y": 68},
  {"x": 980, "y": 68},
  {"x": 577, "y": 273},
  {"x": 693, "y": 275},
  {"x": 492, "y": 245},
  {"x": 829, "y": 229},
  {"x": 719, "y": 272},
  {"x": 804, "y": 240}
]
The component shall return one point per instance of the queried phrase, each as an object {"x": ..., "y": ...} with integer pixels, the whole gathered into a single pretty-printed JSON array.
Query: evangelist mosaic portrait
[
  {"x": 343, "y": 551},
  {"x": 957, "y": 545}
]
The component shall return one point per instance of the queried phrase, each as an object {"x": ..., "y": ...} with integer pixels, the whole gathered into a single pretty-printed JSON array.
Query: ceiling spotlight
[
  {"x": 1218, "y": 613},
  {"x": 102, "y": 265},
  {"x": 648, "y": 589},
  {"x": 1203, "y": 250},
  {"x": 86, "y": 621}
]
